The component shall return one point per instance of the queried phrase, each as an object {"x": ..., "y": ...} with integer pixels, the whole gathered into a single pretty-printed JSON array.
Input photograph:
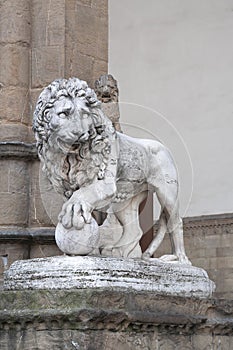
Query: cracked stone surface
[{"x": 65, "y": 272}]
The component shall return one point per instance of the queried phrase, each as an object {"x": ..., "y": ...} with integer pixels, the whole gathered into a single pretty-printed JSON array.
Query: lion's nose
[
  {"x": 106, "y": 91},
  {"x": 84, "y": 137}
]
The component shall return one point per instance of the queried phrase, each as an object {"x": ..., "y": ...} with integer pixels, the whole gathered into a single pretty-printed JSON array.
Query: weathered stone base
[
  {"x": 65, "y": 272},
  {"x": 101, "y": 319}
]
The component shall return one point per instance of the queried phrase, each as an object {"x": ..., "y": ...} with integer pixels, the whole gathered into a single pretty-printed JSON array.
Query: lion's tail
[{"x": 157, "y": 240}]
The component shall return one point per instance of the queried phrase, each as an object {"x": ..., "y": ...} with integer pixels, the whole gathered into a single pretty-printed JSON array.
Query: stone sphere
[{"x": 77, "y": 242}]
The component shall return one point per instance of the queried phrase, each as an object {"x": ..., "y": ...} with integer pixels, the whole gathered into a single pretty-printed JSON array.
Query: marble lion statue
[{"x": 96, "y": 168}]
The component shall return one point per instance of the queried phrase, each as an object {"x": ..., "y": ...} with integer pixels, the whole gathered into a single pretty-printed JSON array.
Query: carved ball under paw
[{"x": 78, "y": 242}]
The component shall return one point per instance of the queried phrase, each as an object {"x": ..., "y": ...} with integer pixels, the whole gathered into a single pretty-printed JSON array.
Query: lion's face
[
  {"x": 67, "y": 112},
  {"x": 106, "y": 88},
  {"x": 70, "y": 121}
]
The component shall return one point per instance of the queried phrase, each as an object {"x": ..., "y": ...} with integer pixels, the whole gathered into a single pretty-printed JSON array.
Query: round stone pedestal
[{"x": 79, "y": 272}]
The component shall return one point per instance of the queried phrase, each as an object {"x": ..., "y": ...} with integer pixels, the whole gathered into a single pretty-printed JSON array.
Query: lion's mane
[{"x": 69, "y": 170}]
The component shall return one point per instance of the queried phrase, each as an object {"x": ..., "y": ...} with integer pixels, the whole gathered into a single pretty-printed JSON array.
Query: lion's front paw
[{"x": 75, "y": 214}]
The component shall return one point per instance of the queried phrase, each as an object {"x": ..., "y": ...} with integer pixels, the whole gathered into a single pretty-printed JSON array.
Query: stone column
[
  {"x": 48, "y": 44},
  {"x": 14, "y": 118},
  {"x": 40, "y": 40},
  {"x": 86, "y": 39},
  {"x": 69, "y": 38},
  {"x": 14, "y": 69},
  {"x": 47, "y": 64}
]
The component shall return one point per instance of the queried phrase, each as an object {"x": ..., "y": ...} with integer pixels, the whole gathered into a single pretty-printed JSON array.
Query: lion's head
[
  {"x": 106, "y": 88},
  {"x": 72, "y": 134}
]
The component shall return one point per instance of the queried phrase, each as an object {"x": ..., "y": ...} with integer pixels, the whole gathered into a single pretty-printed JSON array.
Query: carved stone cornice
[
  {"x": 18, "y": 149},
  {"x": 39, "y": 235},
  {"x": 88, "y": 309},
  {"x": 222, "y": 224},
  {"x": 208, "y": 224}
]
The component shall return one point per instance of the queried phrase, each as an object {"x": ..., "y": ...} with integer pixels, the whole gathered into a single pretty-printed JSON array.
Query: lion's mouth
[
  {"x": 74, "y": 146},
  {"x": 106, "y": 99}
]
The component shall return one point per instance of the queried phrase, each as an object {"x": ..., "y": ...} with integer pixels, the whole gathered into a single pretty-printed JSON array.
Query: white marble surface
[
  {"x": 96, "y": 168},
  {"x": 66, "y": 272},
  {"x": 78, "y": 242}
]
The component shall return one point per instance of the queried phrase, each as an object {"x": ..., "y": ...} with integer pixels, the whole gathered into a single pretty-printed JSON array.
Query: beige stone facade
[
  {"x": 209, "y": 242},
  {"x": 40, "y": 41},
  {"x": 112, "y": 320}
]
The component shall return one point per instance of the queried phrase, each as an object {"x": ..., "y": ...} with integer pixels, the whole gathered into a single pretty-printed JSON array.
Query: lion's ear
[{"x": 97, "y": 84}]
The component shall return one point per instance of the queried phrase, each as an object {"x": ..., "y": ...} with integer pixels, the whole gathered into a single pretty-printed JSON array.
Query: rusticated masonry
[
  {"x": 40, "y": 41},
  {"x": 209, "y": 241},
  {"x": 104, "y": 319}
]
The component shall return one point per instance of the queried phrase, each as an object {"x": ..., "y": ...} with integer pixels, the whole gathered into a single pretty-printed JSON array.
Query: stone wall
[
  {"x": 40, "y": 41},
  {"x": 104, "y": 319},
  {"x": 209, "y": 244}
]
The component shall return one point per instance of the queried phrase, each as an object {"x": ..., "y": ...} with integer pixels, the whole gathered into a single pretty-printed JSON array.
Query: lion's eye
[{"x": 63, "y": 114}]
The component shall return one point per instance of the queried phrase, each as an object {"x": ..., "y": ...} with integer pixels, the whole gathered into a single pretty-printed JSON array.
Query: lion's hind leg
[
  {"x": 175, "y": 230},
  {"x": 170, "y": 222}
]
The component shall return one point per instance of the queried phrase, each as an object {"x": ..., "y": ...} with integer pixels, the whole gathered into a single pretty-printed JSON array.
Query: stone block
[
  {"x": 14, "y": 192},
  {"x": 13, "y": 132},
  {"x": 101, "y": 7},
  {"x": 84, "y": 2},
  {"x": 45, "y": 203},
  {"x": 100, "y": 67},
  {"x": 199, "y": 252},
  {"x": 34, "y": 94},
  {"x": 31, "y": 136},
  {"x": 15, "y": 22},
  {"x": 44, "y": 213},
  {"x": 225, "y": 281},
  {"x": 14, "y": 209},
  {"x": 14, "y": 106},
  {"x": 202, "y": 341},
  {"x": 48, "y": 23},
  {"x": 79, "y": 65},
  {"x": 220, "y": 262},
  {"x": 219, "y": 240},
  {"x": 4, "y": 183},
  {"x": 44, "y": 250},
  {"x": 14, "y": 65},
  {"x": 195, "y": 253},
  {"x": 174, "y": 342},
  {"x": 93, "y": 31},
  {"x": 14, "y": 177},
  {"x": 10, "y": 252},
  {"x": 37, "y": 213},
  {"x": 86, "y": 40},
  {"x": 224, "y": 251},
  {"x": 201, "y": 262},
  {"x": 47, "y": 64}
]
